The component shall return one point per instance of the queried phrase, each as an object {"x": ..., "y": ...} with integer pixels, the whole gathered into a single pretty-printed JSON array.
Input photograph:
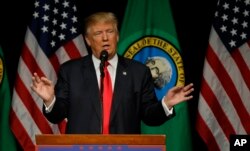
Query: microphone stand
[
  {"x": 103, "y": 58},
  {"x": 101, "y": 92}
]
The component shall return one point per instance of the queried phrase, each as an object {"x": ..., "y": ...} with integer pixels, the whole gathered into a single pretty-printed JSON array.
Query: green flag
[
  {"x": 148, "y": 35},
  {"x": 7, "y": 141}
]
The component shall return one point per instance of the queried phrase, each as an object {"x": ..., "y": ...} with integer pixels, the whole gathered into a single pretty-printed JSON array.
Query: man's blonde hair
[{"x": 100, "y": 17}]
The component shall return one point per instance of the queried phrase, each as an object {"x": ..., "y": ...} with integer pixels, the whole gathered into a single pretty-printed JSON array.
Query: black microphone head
[{"x": 104, "y": 55}]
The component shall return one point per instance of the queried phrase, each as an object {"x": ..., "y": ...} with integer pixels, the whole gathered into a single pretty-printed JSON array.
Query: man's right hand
[{"x": 43, "y": 87}]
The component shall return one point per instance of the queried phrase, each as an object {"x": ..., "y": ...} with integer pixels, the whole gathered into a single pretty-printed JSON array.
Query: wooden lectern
[{"x": 113, "y": 142}]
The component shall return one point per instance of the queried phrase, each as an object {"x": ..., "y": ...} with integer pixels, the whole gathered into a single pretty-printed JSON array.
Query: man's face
[{"x": 102, "y": 36}]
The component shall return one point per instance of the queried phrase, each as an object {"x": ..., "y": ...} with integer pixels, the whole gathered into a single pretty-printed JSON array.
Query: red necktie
[{"x": 107, "y": 99}]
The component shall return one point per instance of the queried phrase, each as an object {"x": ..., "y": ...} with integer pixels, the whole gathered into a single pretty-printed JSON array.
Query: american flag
[
  {"x": 52, "y": 37},
  {"x": 224, "y": 101}
]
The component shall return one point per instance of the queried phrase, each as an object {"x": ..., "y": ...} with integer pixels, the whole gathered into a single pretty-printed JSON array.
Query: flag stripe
[
  {"x": 20, "y": 132},
  {"x": 227, "y": 83},
  {"x": 232, "y": 68},
  {"x": 27, "y": 80},
  {"x": 80, "y": 45},
  {"x": 62, "y": 55},
  {"x": 72, "y": 50},
  {"x": 27, "y": 57},
  {"x": 204, "y": 129},
  {"x": 19, "y": 106},
  {"x": 213, "y": 128},
  {"x": 40, "y": 58},
  {"x": 217, "y": 109},
  {"x": 214, "y": 84},
  {"x": 245, "y": 53},
  {"x": 55, "y": 62},
  {"x": 62, "y": 126},
  {"x": 244, "y": 69},
  {"x": 23, "y": 116},
  {"x": 32, "y": 107}
]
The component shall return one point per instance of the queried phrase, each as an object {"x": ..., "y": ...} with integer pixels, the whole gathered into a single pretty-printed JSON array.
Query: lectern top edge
[{"x": 80, "y": 139}]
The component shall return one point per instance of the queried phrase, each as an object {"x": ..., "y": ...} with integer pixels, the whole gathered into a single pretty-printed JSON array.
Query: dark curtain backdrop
[{"x": 192, "y": 18}]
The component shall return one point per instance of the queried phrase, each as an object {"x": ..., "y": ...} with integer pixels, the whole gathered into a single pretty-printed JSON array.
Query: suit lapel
[
  {"x": 89, "y": 72},
  {"x": 120, "y": 81}
]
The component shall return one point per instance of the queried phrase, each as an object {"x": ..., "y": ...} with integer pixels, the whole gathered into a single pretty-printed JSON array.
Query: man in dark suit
[{"x": 76, "y": 95}]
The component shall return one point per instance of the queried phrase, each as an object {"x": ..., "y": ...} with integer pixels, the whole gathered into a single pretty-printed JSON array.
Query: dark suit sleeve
[{"x": 152, "y": 110}]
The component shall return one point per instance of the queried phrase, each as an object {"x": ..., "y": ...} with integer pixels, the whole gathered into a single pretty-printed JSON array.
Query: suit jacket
[{"x": 78, "y": 98}]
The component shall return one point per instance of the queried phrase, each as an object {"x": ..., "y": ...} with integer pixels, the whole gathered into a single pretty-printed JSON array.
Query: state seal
[{"x": 162, "y": 58}]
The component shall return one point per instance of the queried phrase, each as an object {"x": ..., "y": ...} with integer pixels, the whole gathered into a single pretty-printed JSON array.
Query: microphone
[{"x": 103, "y": 58}]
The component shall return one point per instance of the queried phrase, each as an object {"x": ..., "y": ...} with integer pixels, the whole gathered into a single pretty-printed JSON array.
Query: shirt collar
[{"x": 113, "y": 61}]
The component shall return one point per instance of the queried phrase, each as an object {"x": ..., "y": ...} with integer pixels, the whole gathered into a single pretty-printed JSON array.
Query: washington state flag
[{"x": 148, "y": 35}]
